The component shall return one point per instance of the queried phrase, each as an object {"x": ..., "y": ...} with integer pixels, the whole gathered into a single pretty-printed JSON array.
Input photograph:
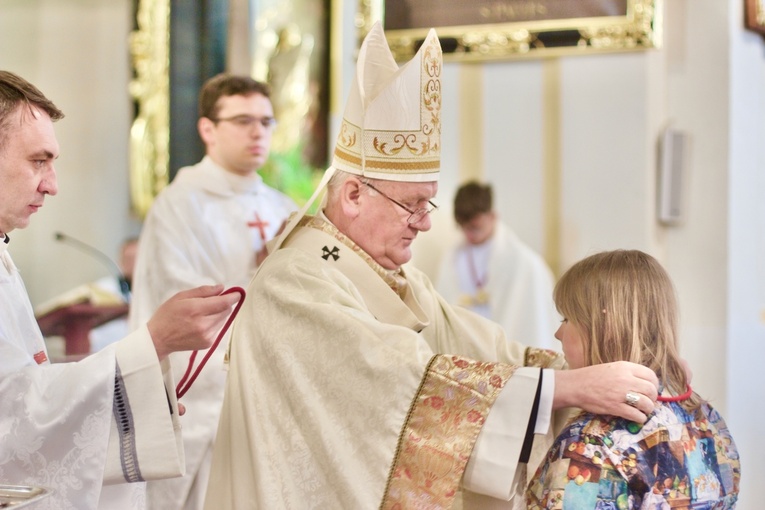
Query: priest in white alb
[
  {"x": 352, "y": 383},
  {"x": 210, "y": 224},
  {"x": 87, "y": 433},
  {"x": 492, "y": 272}
]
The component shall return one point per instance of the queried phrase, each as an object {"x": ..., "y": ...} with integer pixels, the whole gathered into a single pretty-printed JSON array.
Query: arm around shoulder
[{"x": 602, "y": 389}]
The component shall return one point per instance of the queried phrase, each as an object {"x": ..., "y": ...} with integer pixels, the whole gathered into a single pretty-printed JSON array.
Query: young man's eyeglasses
[
  {"x": 414, "y": 216},
  {"x": 248, "y": 121}
]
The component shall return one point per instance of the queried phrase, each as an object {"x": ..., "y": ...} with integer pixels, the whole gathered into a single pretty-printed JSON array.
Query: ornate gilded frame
[
  {"x": 637, "y": 27},
  {"x": 755, "y": 15},
  {"x": 150, "y": 88}
]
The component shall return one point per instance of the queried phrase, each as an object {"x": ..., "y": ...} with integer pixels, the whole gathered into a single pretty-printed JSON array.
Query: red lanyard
[
  {"x": 479, "y": 282},
  {"x": 677, "y": 398},
  {"x": 181, "y": 390}
]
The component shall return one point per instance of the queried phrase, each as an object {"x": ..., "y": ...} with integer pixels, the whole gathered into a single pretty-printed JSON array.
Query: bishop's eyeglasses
[{"x": 414, "y": 215}]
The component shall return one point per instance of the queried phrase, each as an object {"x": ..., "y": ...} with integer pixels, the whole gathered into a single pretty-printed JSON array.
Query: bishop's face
[
  {"x": 382, "y": 228},
  {"x": 27, "y": 174},
  {"x": 239, "y": 138}
]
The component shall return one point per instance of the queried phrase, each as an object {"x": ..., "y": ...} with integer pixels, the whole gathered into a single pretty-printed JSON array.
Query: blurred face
[
  {"x": 479, "y": 229},
  {"x": 381, "y": 227},
  {"x": 26, "y": 167},
  {"x": 573, "y": 343},
  {"x": 127, "y": 259},
  {"x": 239, "y": 139}
]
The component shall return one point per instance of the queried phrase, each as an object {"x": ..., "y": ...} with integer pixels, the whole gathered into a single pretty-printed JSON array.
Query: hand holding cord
[{"x": 188, "y": 378}]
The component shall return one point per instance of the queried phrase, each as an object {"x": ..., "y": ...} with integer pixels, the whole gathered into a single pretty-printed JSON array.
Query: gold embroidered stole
[
  {"x": 443, "y": 423},
  {"x": 454, "y": 397},
  {"x": 543, "y": 358}
]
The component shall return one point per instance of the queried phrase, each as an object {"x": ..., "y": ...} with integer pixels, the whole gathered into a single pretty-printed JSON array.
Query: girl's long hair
[{"x": 623, "y": 303}]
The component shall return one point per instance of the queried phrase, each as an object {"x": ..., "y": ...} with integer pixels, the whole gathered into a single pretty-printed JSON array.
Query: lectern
[
  {"x": 73, "y": 314},
  {"x": 74, "y": 322}
]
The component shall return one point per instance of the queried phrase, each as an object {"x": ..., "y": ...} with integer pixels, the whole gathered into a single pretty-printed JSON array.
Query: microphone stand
[{"x": 94, "y": 252}]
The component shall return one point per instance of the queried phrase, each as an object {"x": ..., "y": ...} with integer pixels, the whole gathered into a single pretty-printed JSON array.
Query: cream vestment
[
  {"x": 353, "y": 387},
  {"x": 336, "y": 398}
]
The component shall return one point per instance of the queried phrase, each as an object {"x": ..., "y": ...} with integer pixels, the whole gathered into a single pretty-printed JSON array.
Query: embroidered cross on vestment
[
  {"x": 334, "y": 253},
  {"x": 260, "y": 225}
]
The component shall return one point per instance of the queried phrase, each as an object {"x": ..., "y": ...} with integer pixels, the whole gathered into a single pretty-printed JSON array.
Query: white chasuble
[
  {"x": 75, "y": 427},
  {"x": 343, "y": 393},
  {"x": 506, "y": 281},
  {"x": 205, "y": 228}
]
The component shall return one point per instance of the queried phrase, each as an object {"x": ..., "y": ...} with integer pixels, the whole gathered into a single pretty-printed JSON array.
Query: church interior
[{"x": 576, "y": 145}]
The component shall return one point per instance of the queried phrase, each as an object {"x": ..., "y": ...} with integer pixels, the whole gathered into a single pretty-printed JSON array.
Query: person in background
[
  {"x": 82, "y": 430},
  {"x": 211, "y": 224},
  {"x": 113, "y": 330},
  {"x": 620, "y": 306},
  {"x": 352, "y": 383},
  {"x": 128, "y": 255},
  {"x": 495, "y": 274}
]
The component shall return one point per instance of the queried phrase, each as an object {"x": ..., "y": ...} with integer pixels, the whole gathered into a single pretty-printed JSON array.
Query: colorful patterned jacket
[{"x": 672, "y": 461}]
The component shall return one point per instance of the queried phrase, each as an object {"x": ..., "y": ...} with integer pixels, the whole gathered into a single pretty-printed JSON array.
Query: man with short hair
[
  {"x": 211, "y": 224},
  {"x": 81, "y": 430},
  {"x": 352, "y": 383},
  {"x": 495, "y": 274}
]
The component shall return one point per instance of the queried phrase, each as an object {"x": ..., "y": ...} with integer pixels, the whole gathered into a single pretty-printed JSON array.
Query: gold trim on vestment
[
  {"x": 448, "y": 412},
  {"x": 481, "y": 297},
  {"x": 543, "y": 358}
]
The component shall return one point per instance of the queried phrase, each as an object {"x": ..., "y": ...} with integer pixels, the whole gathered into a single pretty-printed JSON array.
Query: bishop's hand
[{"x": 604, "y": 389}]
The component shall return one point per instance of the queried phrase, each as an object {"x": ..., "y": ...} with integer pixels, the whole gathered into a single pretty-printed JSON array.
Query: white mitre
[{"x": 391, "y": 126}]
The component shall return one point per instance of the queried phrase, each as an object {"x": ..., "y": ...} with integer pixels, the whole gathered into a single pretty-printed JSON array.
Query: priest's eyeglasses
[
  {"x": 414, "y": 215},
  {"x": 248, "y": 121}
]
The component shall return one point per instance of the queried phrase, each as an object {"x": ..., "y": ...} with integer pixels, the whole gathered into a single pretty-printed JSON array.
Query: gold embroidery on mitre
[
  {"x": 451, "y": 405},
  {"x": 399, "y": 152},
  {"x": 388, "y": 165},
  {"x": 347, "y": 136}
]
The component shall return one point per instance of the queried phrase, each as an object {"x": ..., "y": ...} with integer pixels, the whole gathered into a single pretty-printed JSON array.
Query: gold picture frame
[
  {"x": 151, "y": 49},
  {"x": 755, "y": 15},
  {"x": 150, "y": 89},
  {"x": 506, "y": 29}
]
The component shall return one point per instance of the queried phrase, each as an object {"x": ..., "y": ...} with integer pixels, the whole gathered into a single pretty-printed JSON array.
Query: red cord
[
  {"x": 479, "y": 282},
  {"x": 677, "y": 398},
  {"x": 180, "y": 389}
]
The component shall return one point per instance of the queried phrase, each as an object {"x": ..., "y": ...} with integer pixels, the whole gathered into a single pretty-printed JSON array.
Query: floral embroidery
[
  {"x": 400, "y": 151},
  {"x": 543, "y": 358},
  {"x": 442, "y": 426}
]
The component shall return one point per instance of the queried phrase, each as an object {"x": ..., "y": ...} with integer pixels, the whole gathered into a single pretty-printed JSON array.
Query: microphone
[{"x": 103, "y": 257}]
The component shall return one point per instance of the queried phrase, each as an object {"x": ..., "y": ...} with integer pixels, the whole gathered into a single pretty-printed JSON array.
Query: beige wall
[
  {"x": 570, "y": 145},
  {"x": 76, "y": 52}
]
